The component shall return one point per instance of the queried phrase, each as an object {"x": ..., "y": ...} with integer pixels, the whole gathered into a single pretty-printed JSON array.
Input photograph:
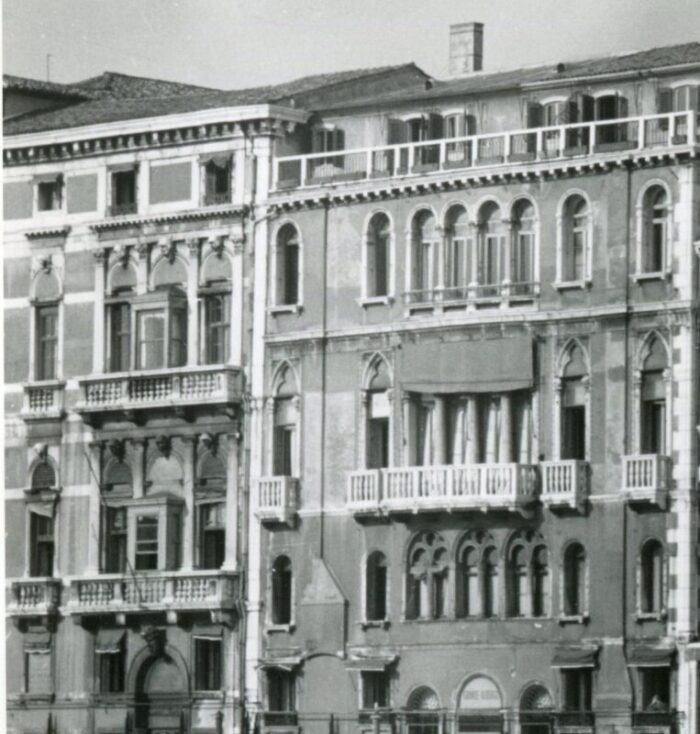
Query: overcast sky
[{"x": 237, "y": 43}]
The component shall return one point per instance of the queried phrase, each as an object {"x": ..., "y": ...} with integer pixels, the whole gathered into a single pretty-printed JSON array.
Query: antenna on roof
[{"x": 48, "y": 67}]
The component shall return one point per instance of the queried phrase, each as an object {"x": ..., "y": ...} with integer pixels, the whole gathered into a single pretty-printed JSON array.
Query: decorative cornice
[
  {"x": 186, "y": 216},
  {"x": 36, "y": 234}
]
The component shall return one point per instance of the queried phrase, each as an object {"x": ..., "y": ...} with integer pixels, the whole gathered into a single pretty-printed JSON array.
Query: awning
[
  {"x": 45, "y": 509},
  {"x": 287, "y": 663},
  {"x": 575, "y": 657},
  {"x": 650, "y": 657},
  {"x": 109, "y": 641},
  {"x": 480, "y": 366},
  {"x": 37, "y": 642},
  {"x": 373, "y": 663}
]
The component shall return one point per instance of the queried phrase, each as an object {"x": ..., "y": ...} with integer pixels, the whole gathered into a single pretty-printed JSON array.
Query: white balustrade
[
  {"x": 364, "y": 489},
  {"x": 564, "y": 483},
  {"x": 43, "y": 399},
  {"x": 646, "y": 477},
  {"x": 34, "y": 596},
  {"x": 277, "y": 498},
  {"x": 493, "y": 149},
  {"x": 181, "y": 386}
]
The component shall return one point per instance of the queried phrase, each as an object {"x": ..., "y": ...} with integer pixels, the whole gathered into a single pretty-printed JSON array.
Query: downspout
[{"x": 324, "y": 326}]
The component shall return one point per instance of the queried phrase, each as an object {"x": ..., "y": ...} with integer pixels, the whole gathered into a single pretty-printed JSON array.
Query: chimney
[{"x": 466, "y": 48}]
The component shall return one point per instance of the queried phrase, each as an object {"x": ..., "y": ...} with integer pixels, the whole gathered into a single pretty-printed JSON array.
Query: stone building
[
  {"x": 474, "y": 451},
  {"x": 132, "y": 210}
]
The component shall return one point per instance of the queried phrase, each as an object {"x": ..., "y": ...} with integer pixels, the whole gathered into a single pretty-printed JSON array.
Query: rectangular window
[
  {"x": 573, "y": 440},
  {"x": 124, "y": 192},
  {"x": 151, "y": 340},
  {"x": 577, "y": 689},
  {"x": 283, "y": 442},
  {"x": 119, "y": 337},
  {"x": 46, "y": 342},
  {"x": 375, "y": 690},
  {"x": 111, "y": 667},
  {"x": 115, "y": 540},
  {"x": 655, "y": 686},
  {"x": 281, "y": 695},
  {"x": 377, "y": 265},
  {"x": 146, "y": 550},
  {"x": 178, "y": 337},
  {"x": 653, "y": 418},
  {"x": 217, "y": 315},
  {"x": 456, "y": 264},
  {"x": 49, "y": 195},
  {"x": 207, "y": 663},
  {"x": 523, "y": 258},
  {"x": 491, "y": 260},
  {"x": 42, "y": 544},
  {"x": 212, "y": 535},
  {"x": 38, "y": 676},
  {"x": 217, "y": 182},
  {"x": 379, "y": 410}
]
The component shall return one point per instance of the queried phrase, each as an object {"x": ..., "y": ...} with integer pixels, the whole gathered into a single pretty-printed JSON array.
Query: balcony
[
  {"x": 442, "y": 488},
  {"x": 477, "y": 294},
  {"x": 278, "y": 499},
  {"x": 565, "y": 484},
  {"x": 657, "y": 720},
  {"x": 36, "y": 597},
  {"x": 649, "y": 133},
  {"x": 646, "y": 478},
  {"x": 119, "y": 210},
  {"x": 217, "y": 198},
  {"x": 175, "y": 388},
  {"x": 171, "y": 592},
  {"x": 43, "y": 400},
  {"x": 273, "y": 719},
  {"x": 576, "y": 719}
]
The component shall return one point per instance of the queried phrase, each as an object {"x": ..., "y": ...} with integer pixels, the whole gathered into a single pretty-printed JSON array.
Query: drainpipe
[{"x": 324, "y": 326}]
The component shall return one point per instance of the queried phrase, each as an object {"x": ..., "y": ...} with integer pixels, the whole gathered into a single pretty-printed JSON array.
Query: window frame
[
  {"x": 275, "y": 620},
  {"x": 57, "y": 180},
  {"x": 566, "y": 231},
  {"x": 38, "y": 541},
  {"x": 278, "y": 272},
  {"x": 659, "y": 607},
  {"x": 368, "y": 684},
  {"x": 367, "y": 297},
  {"x": 104, "y": 664},
  {"x": 113, "y": 207},
  {"x": 370, "y": 603},
  {"x": 581, "y": 613},
  {"x": 644, "y": 223},
  {"x": 207, "y": 677}
]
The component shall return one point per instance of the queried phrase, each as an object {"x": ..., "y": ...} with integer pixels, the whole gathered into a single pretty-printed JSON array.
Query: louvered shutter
[
  {"x": 694, "y": 98},
  {"x": 534, "y": 115},
  {"x": 338, "y": 138},
  {"x": 665, "y": 100},
  {"x": 398, "y": 132},
  {"x": 434, "y": 126}
]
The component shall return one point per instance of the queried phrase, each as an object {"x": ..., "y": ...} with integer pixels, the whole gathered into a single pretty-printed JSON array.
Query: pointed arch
[
  {"x": 376, "y": 364},
  {"x": 285, "y": 379},
  {"x": 648, "y": 347},
  {"x": 653, "y": 395},
  {"x": 568, "y": 353}
]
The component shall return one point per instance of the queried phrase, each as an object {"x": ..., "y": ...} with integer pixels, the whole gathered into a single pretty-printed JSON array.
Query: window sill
[
  {"x": 642, "y": 617},
  {"x": 570, "y": 285},
  {"x": 375, "y": 301},
  {"x": 573, "y": 619},
  {"x": 273, "y": 629},
  {"x": 217, "y": 695},
  {"x": 657, "y": 275},
  {"x": 290, "y": 308},
  {"x": 366, "y": 624}
]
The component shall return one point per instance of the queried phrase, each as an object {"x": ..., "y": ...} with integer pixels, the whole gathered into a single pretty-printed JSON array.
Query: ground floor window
[{"x": 207, "y": 663}]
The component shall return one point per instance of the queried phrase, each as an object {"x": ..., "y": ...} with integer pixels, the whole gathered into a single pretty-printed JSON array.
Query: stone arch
[
  {"x": 479, "y": 692},
  {"x": 285, "y": 380},
  {"x": 423, "y": 698},
  {"x": 647, "y": 350},
  {"x": 144, "y": 660},
  {"x": 121, "y": 275},
  {"x": 46, "y": 286},
  {"x": 168, "y": 272},
  {"x": 567, "y": 354},
  {"x": 216, "y": 266},
  {"x": 536, "y": 697},
  {"x": 377, "y": 373}
]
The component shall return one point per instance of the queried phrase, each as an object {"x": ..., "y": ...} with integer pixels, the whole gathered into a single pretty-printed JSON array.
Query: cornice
[
  {"x": 36, "y": 234},
  {"x": 185, "y": 216}
]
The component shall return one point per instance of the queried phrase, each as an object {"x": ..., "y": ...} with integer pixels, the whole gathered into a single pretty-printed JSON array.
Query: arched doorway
[
  {"x": 536, "y": 710},
  {"x": 422, "y": 711},
  {"x": 161, "y": 696},
  {"x": 479, "y": 707}
]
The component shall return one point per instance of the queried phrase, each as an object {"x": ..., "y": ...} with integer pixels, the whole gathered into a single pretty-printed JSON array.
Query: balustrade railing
[
  {"x": 473, "y": 293},
  {"x": 442, "y": 487},
  {"x": 37, "y": 596},
  {"x": 493, "y": 149},
  {"x": 646, "y": 476},
  {"x": 43, "y": 399},
  {"x": 564, "y": 483},
  {"x": 277, "y": 498},
  {"x": 175, "y": 590},
  {"x": 175, "y": 386}
]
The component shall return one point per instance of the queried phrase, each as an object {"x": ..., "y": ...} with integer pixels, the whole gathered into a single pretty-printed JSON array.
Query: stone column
[
  {"x": 193, "y": 246},
  {"x": 492, "y": 433},
  {"x": 363, "y": 440},
  {"x": 189, "y": 445},
  {"x": 409, "y": 453},
  {"x": 94, "y": 509},
  {"x": 98, "y": 342},
  {"x": 438, "y": 430},
  {"x": 233, "y": 439},
  {"x": 237, "y": 301},
  {"x": 472, "y": 424},
  {"x": 505, "y": 443},
  {"x": 138, "y": 469}
]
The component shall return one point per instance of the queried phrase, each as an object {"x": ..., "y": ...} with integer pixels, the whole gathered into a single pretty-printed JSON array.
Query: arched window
[
  {"x": 287, "y": 265},
  {"x": 524, "y": 251},
  {"x": 422, "y": 711},
  {"x": 378, "y": 416},
  {"x": 470, "y": 601},
  {"x": 575, "y": 580},
  {"x": 574, "y": 399},
  {"x": 518, "y": 592},
  {"x": 653, "y": 398},
  {"x": 575, "y": 240},
  {"x": 46, "y": 294},
  {"x": 424, "y": 244},
  {"x": 490, "y": 582},
  {"x": 655, "y": 215},
  {"x": 376, "y": 587},
  {"x": 611, "y": 107},
  {"x": 536, "y": 710},
  {"x": 491, "y": 249},
  {"x": 651, "y": 578},
  {"x": 285, "y": 428},
  {"x": 540, "y": 581},
  {"x": 458, "y": 258},
  {"x": 427, "y": 577},
  {"x": 43, "y": 476},
  {"x": 121, "y": 283},
  {"x": 378, "y": 256},
  {"x": 281, "y": 602}
]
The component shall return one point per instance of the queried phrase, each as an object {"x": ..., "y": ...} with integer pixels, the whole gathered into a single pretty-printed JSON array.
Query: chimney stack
[{"x": 466, "y": 48}]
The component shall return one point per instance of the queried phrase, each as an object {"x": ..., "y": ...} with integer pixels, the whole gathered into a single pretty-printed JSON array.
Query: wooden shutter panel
[
  {"x": 665, "y": 100},
  {"x": 535, "y": 115},
  {"x": 694, "y": 98},
  {"x": 621, "y": 106},
  {"x": 434, "y": 128},
  {"x": 470, "y": 125},
  {"x": 338, "y": 140},
  {"x": 398, "y": 132}
]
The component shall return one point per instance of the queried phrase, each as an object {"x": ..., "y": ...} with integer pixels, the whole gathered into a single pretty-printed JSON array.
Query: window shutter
[
  {"x": 434, "y": 126},
  {"x": 694, "y": 98},
  {"x": 398, "y": 132},
  {"x": 665, "y": 100},
  {"x": 317, "y": 141},
  {"x": 470, "y": 125},
  {"x": 587, "y": 108},
  {"x": 621, "y": 106},
  {"x": 338, "y": 137},
  {"x": 534, "y": 115}
]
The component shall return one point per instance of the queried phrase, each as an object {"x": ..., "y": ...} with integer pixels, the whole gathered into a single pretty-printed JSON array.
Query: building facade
[
  {"x": 476, "y": 467},
  {"x": 366, "y": 402}
]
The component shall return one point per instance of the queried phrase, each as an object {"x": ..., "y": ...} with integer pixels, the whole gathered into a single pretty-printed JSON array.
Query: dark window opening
[
  {"x": 574, "y": 579},
  {"x": 217, "y": 182},
  {"x": 124, "y": 192},
  {"x": 376, "y": 588},
  {"x": 577, "y": 689},
  {"x": 652, "y": 577},
  {"x": 116, "y": 540},
  {"x": 655, "y": 688},
  {"x": 282, "y": 591},
  {"x": 212, "y": 535},
  {"x": 112, "y": 670},
  {"x": 119, "y": 337},
  {"x": 49, "y": 195},
  {"x": 281, "y": 694},
  {"x": 375, "y": 690},
  {"x": 42, "y": 545},
  {"x": 146, "y": 551},
  {"x": 207, "y": 664},
  {"x": 46, "y": 342}
]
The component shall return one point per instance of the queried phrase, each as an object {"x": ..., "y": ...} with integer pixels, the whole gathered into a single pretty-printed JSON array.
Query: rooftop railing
[{"x": 671, "y": 130}]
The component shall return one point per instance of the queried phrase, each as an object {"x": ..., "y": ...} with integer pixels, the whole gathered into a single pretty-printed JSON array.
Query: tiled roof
[
  {"x": 656, "y": 58},
  {"x": 115, "y": 85},
  {"x": 37, "y": 86},
  {"x": 115, "y": 109}
]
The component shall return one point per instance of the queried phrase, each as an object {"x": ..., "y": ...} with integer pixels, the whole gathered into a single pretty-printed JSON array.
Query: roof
[
  {"x": 112, "y": 84},
  {"x": 656, "y": 58},
  {"x": 37, "y": 86},
  {"x": 111, "y": 108}
]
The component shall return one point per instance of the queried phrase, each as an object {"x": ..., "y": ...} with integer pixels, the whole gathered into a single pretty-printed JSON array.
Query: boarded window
[
  {"x": 81, "y": 193},
  {"x": 17, "y": 200},
  {"x": 172, "y": 182}
]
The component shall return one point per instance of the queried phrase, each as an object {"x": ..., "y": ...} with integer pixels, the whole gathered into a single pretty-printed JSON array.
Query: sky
[{"x": 231, "y": 44}]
